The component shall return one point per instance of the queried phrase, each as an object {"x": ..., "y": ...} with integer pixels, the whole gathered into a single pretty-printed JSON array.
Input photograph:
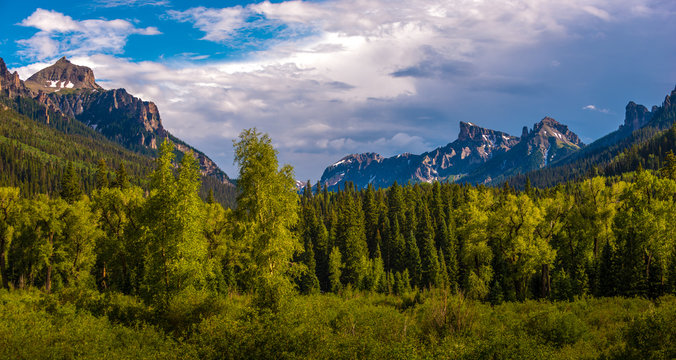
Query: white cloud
[
  {"x": 218, "y": 24},
  {"x": 117, "y": 3},
  {"x": 61, "y": 35},
  {"x": 355, "y": 75},
  {"x": 594, "y": 108},
  {"x": 599, "y": 13}
]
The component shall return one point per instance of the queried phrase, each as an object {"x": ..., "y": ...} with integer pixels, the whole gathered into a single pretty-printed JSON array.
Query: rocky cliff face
[
  {"x": 478, "y": 155},
  {"x": 72, "y": 90},
  {"x": 10, "y": 83},
  {"x": 636, "y": 116},
  {"x": 546, "y": 142},
  {"x": 475, "y": 145},
  {"x": 114, "y": 113}
]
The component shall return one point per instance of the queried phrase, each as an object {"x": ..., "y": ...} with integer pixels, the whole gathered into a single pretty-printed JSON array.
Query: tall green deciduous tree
[
  {"x": 121, "y": 249},
  {"x": 335, "y": 273},
  {"x": 221, "y": 250},
  {"x": 41, "y": 247},
  {"x": 267, "y": 211},
  {"x": 77, "y": 246},
  {"x": 9, "y": 206},
  {"x": 645, "y": 227},
  {"x": 514, "y": 226},
  {"x": 177, "y": 248},
  {"x": 476, "y": 254}
]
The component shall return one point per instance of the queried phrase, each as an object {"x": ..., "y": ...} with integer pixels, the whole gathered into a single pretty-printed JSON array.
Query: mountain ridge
[
  {"x": 476, "y": 154},
  {"x": 72, "y": 91}
]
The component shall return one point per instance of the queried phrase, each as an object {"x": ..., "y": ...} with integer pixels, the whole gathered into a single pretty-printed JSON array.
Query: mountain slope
[
  {"x": 38, "y": 136},
  {"x": 639, "y": 127},
  {"x": 136, "y": 124}
]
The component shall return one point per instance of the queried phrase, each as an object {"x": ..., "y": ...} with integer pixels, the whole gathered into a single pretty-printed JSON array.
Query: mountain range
[
  {"x": 72, "y": 90},
  {"x": 65, "y": 101},
  {"x": 485, "y": 156}
]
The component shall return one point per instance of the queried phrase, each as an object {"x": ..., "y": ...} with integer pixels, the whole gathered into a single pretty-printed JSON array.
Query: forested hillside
[
  {"x": 425, "y": 271},
  {"x": 36, "y": 144}
]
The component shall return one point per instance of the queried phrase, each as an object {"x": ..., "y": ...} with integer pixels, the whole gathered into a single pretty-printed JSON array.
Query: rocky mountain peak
[
  {"x": 636, "y": 116},
  {"x": 359, "y": 160},
  {"x": 63, "y": 75},
  {"x": 10, "y": 83},
  {"x": 472, "y": 132},
  {"x": 468, "y": 131},
  {"x": 550, "y": 128}
]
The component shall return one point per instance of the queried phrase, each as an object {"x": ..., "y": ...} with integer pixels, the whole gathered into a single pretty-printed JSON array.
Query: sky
[{"x": 329, "y": 78}]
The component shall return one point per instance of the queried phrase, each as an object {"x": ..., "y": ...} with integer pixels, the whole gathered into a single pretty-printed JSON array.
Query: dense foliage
[
  {"x": 596, "y": 237},
  {"x": 425, "y": 270}
]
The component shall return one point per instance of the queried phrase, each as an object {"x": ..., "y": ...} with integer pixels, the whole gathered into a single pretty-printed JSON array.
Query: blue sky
[{"x": 330, "y": 78}]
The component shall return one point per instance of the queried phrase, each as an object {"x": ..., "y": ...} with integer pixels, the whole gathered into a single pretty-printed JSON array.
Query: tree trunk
[
  {"x": 166, "y": 271},
  {"x": 104, "y": 285},
  {"x": 546, "y": 285},
  {"x": 3, "y": 268},
  {"x": 48, "y": 281}
]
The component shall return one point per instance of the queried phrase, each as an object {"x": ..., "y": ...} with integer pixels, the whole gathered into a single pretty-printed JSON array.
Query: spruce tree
[
  {"x": 71, "y": 191},
  {"x": 101, "y": 174},
  {"x": 210, "y": 197},
  {"x": 121, "y": 177},
  {"x": 413, "y": 262},
  {"x": 669, "y": 169},
  {"x": 309, "y": 284},
  {"x": 352, "y": 239}
]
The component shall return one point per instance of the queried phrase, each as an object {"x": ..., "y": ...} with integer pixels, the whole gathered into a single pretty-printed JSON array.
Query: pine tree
[
  {"x": 101, "y": 174},
  {"x": 210, "y": 197},
  {"x": 398, "y": 250},
  {"x": 370, "y": 219},
  {"x": 352, "y": 239},
  {"x": 443, "y": 271},
  {"x": 413, "y": 262},
  {"x": 429, "y": 261},
  {"x": 309, "y": 284},
  {"x": 669, "y": 169},
  {"x": 121, "y": 177},
  {"x": 71, "y": 191}
]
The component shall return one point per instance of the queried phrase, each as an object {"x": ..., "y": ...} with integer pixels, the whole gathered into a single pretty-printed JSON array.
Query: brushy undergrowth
[{"x": 429, "y": 325}]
